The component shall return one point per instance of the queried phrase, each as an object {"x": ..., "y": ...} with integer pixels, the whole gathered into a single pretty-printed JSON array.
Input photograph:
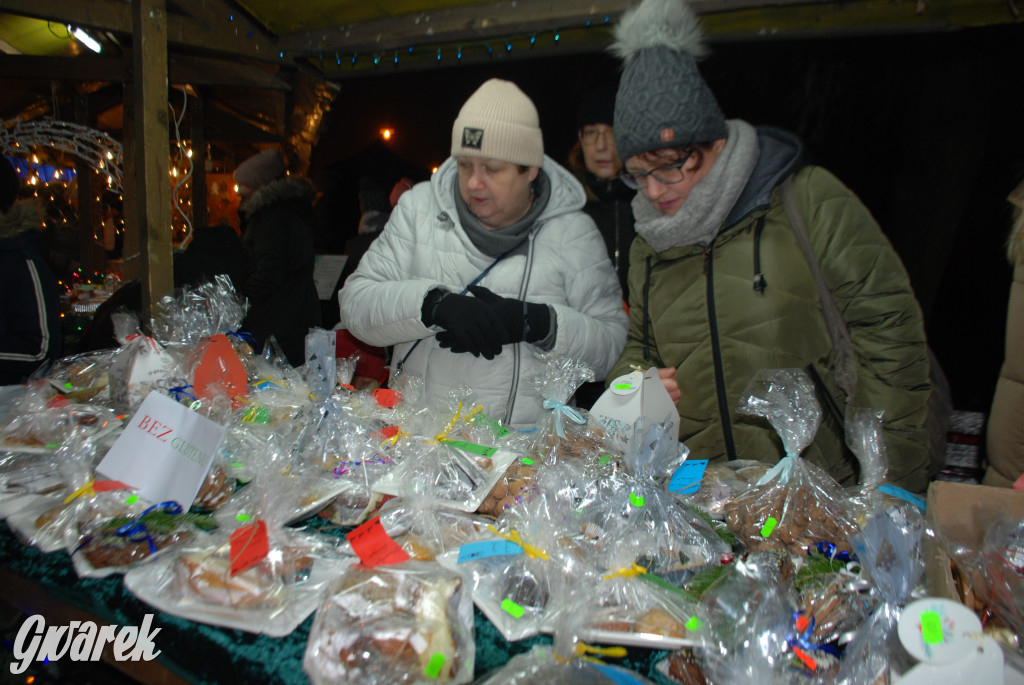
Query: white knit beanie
[{"x": 499, "y": 121}]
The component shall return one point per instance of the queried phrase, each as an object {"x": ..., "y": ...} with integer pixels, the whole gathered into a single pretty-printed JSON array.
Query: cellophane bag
[
  {"x": 833, "y": 594},
  {"x": 996, "y": 570},
  {"x": 81, "y": 377},
  {"x": 535, "y": 556},
  {"x": 408, "y": 623},
  {"x": 43, "y": 419},
  {"x": 191, "y": 314},
  {"x": 631, "y": 608},
  {"x": 42, "y": 522},
  {"x": 757, "y": 633},
  {"x": 637, "y": 521},
  {"x": 889, "y": 547},
  {"x": 350, "y": 452},
  {"x": 253, "y": 573},
  {"x": 796, "y": 504},
  {"x": 725, "y": 481},
  {"x": 866, "y": 440},
  {"x": 562, "y": 432},
  {"x": 543, "y": 665},
  {"x": 426, "y": 529}
]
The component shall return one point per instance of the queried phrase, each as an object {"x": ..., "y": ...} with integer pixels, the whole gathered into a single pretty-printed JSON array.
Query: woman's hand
[{"x": 668, "y": 379}]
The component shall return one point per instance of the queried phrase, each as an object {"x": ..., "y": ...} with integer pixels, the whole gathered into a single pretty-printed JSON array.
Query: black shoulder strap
[{"x": 842, "y": 344}]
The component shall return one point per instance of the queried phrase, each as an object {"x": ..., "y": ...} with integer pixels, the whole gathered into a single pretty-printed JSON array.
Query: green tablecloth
[{"x": 207, "y": 654}]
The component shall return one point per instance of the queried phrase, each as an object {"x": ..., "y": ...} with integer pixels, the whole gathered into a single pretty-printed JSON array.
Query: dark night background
[{"x": 928, "y": 129}]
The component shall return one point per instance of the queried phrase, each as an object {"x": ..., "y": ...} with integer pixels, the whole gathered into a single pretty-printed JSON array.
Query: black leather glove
[
  {"x": 522, "y": 321},
  {"x": 469, "y": 324}
]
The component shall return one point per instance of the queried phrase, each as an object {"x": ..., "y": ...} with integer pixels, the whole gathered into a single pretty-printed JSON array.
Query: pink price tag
[{"x": 374, "y": 546}]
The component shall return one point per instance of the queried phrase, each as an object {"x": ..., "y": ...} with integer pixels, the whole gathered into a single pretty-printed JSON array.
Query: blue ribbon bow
[
  {"x": 134, "y": 529},
  {"x": 180, "y": 390},
  {"x": 803, "y": 640},
  {"x": 246, "y": 336},
  {"x": 560, "y": 409},
  {"x": 830, "y": 550}
]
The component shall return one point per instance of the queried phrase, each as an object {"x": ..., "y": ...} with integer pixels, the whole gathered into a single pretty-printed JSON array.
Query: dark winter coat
[
  {"x": 608, "y": 204},
  {"x": 278, "y": 238},
  {"x": 30, "y": 332},
  {"x": 697, "y": 309}
]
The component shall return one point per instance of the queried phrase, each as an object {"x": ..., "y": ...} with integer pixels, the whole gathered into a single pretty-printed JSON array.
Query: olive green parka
[{"x": 749, "y": 302}]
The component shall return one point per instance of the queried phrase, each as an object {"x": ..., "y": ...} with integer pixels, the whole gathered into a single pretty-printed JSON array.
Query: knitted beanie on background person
[
  {"x": 598, "y": 106},
  {"x": 260, "y": 169},
  {"x": 500, "y": 122},
  {"x": 662, "y": 99}
]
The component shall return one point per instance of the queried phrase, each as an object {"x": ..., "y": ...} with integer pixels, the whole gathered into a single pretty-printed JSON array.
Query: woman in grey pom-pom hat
[
  {"x": 720, "y": 287},
  {"x": 488, "y": 266}
]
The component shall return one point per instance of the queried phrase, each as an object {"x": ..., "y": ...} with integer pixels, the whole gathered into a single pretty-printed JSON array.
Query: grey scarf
[
  {"x": 701, "y": 217},
  {"x": 509, "y": 239}
]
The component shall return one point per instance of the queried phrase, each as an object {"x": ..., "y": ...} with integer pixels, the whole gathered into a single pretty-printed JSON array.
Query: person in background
[
  {"x": 719, "y": 285},
  {"x": 596, "y": 164},
  {"x": 488, "y": 266},
  {"x": 1005, "y": 429},
  {"x": 213, "y": 250},
  {"x": 30, "y": 331},
  {"x": 277, "y": 234}
]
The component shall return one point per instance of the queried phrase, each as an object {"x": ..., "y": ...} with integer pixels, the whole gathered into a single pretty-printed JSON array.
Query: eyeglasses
[
  {"x": 590, "y": 134},
  {"x": 668, "y": 174}
]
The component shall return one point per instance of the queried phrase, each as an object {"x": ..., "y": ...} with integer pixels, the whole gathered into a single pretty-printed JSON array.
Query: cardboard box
[{"x": 962, "y": 512}]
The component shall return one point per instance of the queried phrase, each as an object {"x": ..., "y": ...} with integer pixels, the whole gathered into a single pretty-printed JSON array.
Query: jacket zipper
[
  {"x": 759, "y": 283},
  {"x": 716, "y": 353},
  {"x": 516, "y": 352},
  {"x": 647, "y": 318}
]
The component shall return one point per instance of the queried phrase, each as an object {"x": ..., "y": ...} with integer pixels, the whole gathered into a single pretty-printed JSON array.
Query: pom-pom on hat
[
  {"x": 662, "y": 99},
  {"x": 260, "y": 169},
  {"x": 499, "y": 121}
]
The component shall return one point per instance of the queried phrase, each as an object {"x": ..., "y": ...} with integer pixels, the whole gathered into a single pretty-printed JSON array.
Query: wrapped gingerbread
[
  {"x": 253, "y": 573},
  {"x": 796, "y": 504},
  {"x": 543, "y": 664},
  {"x": 407, "y": 623}
]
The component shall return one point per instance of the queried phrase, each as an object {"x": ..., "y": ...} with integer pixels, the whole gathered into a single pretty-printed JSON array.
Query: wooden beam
[
  {"x": 199, "y": 162},
  {"x": 240, "y": 36},
  {"x": 153, "y": 216},
  {"x": 182, "y": 69}
]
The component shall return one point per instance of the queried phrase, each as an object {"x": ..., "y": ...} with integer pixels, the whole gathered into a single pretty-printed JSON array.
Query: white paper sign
[
  {"x": 164, "y": 452},
  {"x": 326, "y": 272},
  {"x": 633, "y": 396}
]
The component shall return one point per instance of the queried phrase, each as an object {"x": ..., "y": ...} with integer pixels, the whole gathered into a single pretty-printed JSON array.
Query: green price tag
[
  {"x": 471, "y": 447},
  {"x": 931, "y": 628},
  {"x": 605, "y": 459},
  {"x": 694, "y": 624},
  {"x": 68, "y": 385},
  {"x": 527, "y": 460},
  {"x": 132, "y": 499},
  {"x": 769, "y": 526},
  {"x": 237, "y": 464},
  {"x": 636, "y": 500},
  {"x": 435, "y": 665},
  {"x": 622, "y": 386},
  {"x": 512, "y": 608},
  {"x": 243, "y": 517}
]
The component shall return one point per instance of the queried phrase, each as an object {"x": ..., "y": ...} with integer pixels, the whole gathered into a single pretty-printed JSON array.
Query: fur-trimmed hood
[
  {"x": 22, "y": 217},
  {"x": 283, "y": 189}
]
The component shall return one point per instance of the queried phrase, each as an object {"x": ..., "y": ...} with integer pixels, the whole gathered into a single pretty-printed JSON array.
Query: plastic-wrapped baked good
[{"x": 410, "y": 623}]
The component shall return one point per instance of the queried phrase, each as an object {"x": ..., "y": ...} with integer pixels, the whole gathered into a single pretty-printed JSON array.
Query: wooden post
[
  {"x": 90, "y": 253},
  {"x": 131, "y": 260},
  {"x": 149, "y": 56}
]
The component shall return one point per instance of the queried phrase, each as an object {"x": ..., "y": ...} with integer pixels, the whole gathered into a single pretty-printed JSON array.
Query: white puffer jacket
[{"x": 423, "y": 247}]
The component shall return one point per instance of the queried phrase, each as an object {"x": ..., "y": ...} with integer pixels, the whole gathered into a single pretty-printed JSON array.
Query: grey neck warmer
[
  {"x": 701, "y": 217},
  {"x": 507, "y": 239}
]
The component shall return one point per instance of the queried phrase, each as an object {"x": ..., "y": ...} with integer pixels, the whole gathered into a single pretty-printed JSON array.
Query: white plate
[{"x": 960, "y": 630}]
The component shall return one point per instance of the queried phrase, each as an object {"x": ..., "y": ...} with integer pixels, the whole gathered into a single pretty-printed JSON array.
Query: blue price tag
[
  {"x": 897, "y": 491},
  {"x": 488, "y": 548},
  {"x": 617, "y": 675},
  {"x": 686, "y": 480}
]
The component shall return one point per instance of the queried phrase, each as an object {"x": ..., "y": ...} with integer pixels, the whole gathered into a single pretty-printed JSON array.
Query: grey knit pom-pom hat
[{"x": 662, "y": 99}]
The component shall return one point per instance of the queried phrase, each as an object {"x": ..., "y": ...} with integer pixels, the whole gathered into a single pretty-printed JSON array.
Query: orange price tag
[
  {"x": 806, "y": 658},
  {"x": 249, "y": 546},
  {"x": 374, "y": 546},
  {"x": 108, "y": 485},
  {"x": 387, "y": 397}
]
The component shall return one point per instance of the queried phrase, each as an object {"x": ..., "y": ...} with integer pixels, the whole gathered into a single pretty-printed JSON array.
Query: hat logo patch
[
  {"x": 472, "y": 137},
  {"x": 668, "y": 135}
]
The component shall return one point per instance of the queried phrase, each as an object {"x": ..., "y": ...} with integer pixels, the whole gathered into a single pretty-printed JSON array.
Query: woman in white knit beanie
[{"x": 489, "y": 265}]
